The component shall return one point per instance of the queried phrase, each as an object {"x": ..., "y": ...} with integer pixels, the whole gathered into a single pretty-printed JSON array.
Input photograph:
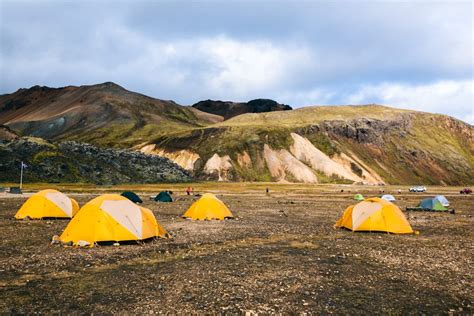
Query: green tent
[
  {"x": 444, "y": 201},
  {"x": 132, "y": 196},
  {"x": 163, "y": 196},
  {"x": 358, "y": 197},
  {"x": 432, "y": 204}
]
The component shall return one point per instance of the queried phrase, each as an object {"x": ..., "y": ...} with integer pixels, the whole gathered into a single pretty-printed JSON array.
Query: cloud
[
  {"x": 203, "y": 67},
  {"x": 315, "y": 96},
  {"x": 242, "y": 69},
  {"x": 405, "y": 54},
  {"x": 452, "y": 97}
]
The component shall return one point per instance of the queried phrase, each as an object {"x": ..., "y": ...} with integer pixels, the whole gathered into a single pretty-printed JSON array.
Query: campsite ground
[{"x": 280, "y": 254}]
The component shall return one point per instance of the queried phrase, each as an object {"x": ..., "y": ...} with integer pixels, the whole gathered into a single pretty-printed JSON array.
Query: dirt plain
[{"x": 280, "y": 254}]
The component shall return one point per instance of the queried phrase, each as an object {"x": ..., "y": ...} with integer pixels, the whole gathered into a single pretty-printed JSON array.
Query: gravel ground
[{"x": 280, "y": 255}]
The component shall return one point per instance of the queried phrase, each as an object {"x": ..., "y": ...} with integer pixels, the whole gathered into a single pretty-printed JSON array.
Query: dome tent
[
  {"x": 163, "y": 196},
  {"x": 388, "y": 197},
  {"x": 358, "y": 197},
  {"x": 375, "y": 214},
  {"x": 48, "y": 204},
  {"x": 132, "y": 196},
  {"x": 432, "y": 204},
  {"x": 208, "y": 207},
  {"x": 111, "y": 217}
]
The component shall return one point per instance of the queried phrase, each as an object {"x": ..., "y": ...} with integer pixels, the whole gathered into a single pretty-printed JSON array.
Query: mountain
[
  {"x": 228, "y": 109},
  {"x": 363, "y": 144},
  {"x": 372, "y": 144},
  {"x": 104, "y": 114}
]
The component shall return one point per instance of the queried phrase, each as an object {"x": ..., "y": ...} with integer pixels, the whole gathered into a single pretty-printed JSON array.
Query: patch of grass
[
  {"x": 126, "y": 135},
  {"x": 109, "y": 136},
  {"x": 42, "y": 155},
  {"x": 323, "y": 142},
  {"x": 355, "y": 168},
  {"x": 278, "y": 138},
  {"x": 325, "y": 179},
  {"x": 39, "y": 141}
]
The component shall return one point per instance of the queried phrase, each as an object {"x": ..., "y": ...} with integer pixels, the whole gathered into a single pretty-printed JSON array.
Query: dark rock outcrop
[
  {"x": 362, "y": 130},
  {"x": 77, "y": 162},
  {"x": 266, "y": 105},
  {"x": 228, "y": 109}
]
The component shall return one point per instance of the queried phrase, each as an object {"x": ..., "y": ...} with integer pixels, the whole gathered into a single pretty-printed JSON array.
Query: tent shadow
[
  {"x": 365, "y": 231},
  {"x": 131, "y": 242},
  {"x": 27, "y": 218}
]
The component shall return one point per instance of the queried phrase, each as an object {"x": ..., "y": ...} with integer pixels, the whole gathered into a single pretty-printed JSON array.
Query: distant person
[
  {"x": 267, "y": 191},
  {"x": 189, "y": 190},
  {"x": 399, "y": 191}
]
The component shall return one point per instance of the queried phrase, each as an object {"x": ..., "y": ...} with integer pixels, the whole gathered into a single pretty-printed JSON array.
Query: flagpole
[{"x": 21, "y": 175}]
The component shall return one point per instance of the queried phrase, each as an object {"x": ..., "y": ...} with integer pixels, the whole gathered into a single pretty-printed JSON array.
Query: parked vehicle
[
  {"x": 465, "y": 191},
  {"x": 417, "y": 189}
]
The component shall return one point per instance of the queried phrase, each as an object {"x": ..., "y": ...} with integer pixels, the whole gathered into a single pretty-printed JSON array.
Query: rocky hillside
[
  {"x": 228, "y": 109},
  {"x": 104, "y": 114},
  {"x": 363, "y": 144},
  {"x": 75, "y": 162}
]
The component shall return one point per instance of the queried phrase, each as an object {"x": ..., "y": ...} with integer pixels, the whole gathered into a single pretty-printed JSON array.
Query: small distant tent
[
  {"x": 375, "y": 214},
  {"x": 163, "y": 196},
  {"x": 208, "y": 207},
  {"x": 388, "y": 197},
  {"x": 48, "y": 204},
  {"x": 111, "y": 218},
  {"x": 432, "y": 204},
  {"x": 132, "y": 196},
  {"x": 444, "y": 201},
  {"x": 358, "y": 197}
]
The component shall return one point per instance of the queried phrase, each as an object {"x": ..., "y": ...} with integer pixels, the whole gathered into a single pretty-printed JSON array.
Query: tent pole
[{"x": 21, "y": 175}]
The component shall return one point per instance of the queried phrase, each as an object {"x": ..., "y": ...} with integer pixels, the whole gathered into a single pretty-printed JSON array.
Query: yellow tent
[
  {"x": 375, "y": 214},
  {"x": 48, "y": 203},
  {"x": 208, "y": 207},
  {"x": 111, "y": 217}
]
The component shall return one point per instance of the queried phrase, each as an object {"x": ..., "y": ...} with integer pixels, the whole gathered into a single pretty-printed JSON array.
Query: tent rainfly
[
  {"x": 111, "y": 217},
  {"x": 375, "y": 214},
  {"x": 48, "y": 204},
  {"x": 208, "y": 207},
  {"x": 163, "y": 196},
  {"x": 132, "y": 196}
]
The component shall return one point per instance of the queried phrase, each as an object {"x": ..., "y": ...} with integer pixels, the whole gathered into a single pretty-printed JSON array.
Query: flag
[{"x": 24, "y": 165}]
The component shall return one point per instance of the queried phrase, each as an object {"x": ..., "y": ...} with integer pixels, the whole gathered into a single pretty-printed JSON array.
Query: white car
[{"x": 417, "y": 189}]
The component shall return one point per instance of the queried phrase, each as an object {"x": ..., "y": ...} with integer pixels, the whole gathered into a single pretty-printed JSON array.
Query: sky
[{"x": 408, "y": 54}]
